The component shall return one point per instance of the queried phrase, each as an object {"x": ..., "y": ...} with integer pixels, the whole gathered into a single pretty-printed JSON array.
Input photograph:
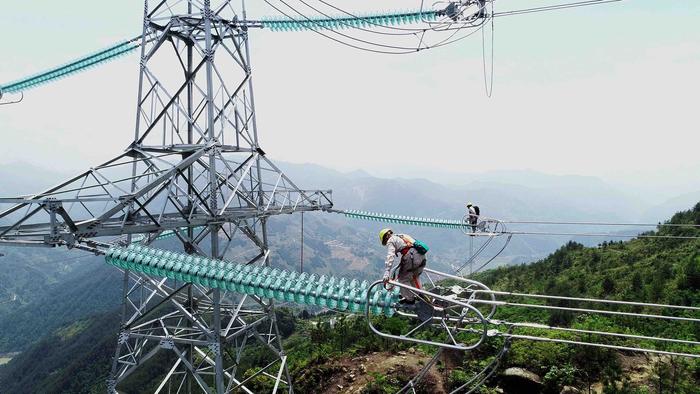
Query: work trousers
[
  {"x": 412, "y": 264},
  {"x": 474, "y": 220}
]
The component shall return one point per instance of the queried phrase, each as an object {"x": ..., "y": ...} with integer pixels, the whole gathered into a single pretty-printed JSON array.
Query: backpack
[
  {"x": 476, "y": 209},
  {"x": 420, "y": 247}
]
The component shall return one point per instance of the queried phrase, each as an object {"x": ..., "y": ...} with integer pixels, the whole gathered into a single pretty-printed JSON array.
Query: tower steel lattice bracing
[{"x": 196, "y": 169}]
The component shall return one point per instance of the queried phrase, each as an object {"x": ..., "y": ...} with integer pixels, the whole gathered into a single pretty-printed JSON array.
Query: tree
[
  {"x": 608, "y": 285},
  {"x": 637, "y": 283},
  {"x": 691, "y": 274}
]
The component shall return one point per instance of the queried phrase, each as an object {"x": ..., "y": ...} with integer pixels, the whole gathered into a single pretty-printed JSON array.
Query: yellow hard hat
[
  {"x": 469, "y": 204},
  {"x": 382, "y": 234}
]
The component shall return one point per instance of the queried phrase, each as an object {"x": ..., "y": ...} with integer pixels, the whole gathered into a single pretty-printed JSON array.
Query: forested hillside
[
  {"x": 663, "y": 271},
  {"x": 332, "y": 352}
]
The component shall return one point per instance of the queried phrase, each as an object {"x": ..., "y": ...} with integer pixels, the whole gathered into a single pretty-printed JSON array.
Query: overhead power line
[
  {"x": 604, "y": 235},
  {"x": 324, "y": 22},
  {"x": 462, "y": 224},
  {"x": 554, "y": 7},
  {"x": 690, "y": 225}
]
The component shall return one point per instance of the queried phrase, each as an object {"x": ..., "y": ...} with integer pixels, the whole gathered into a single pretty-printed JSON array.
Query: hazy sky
[{"x": 610, "y": 91}]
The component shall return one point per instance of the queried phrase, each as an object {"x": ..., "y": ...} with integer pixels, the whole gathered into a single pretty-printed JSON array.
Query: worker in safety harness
[
  {"x": 412, "y": 261},
  {"x": 473, "y": 215}
]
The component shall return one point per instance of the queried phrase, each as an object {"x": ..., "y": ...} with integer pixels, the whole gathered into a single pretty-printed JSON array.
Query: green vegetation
[
  {"x": 663, "y": 271},
  {"x": 53, "y": 287},
  {"x": 76, "y": 356},
  {"x": 61, "y": 363},
  {"x": 318, "y": 340}
]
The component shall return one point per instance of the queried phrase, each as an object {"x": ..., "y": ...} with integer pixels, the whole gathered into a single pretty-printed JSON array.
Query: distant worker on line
[
  {"x": 413, "y": 261},
  {"x": 473, "y": 215}
]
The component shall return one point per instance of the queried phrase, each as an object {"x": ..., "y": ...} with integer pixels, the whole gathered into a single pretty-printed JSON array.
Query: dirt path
[
  {"x": 639, "y": 368},
  {"x": 355, "y": 373}
]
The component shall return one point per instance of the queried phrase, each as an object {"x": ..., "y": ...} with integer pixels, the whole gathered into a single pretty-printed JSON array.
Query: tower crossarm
[{"x": 99, "y": 202}]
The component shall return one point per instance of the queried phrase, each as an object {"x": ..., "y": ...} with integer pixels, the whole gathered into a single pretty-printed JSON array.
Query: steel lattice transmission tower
[{"x": 195, "y": 170}]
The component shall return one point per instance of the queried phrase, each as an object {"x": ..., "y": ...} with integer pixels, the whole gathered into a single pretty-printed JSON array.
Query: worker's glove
[
  {"x": 386, "y": 284},
  {"x": 386, "y": 278}
]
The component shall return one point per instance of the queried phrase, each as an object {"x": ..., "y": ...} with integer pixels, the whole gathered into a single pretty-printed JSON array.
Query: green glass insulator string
[
  {"x": 325, "y": 291},
  {"x": 399, "y": 219},
  {"x": 83, "y": 63},
  {"x": 273, "y": 24}
]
